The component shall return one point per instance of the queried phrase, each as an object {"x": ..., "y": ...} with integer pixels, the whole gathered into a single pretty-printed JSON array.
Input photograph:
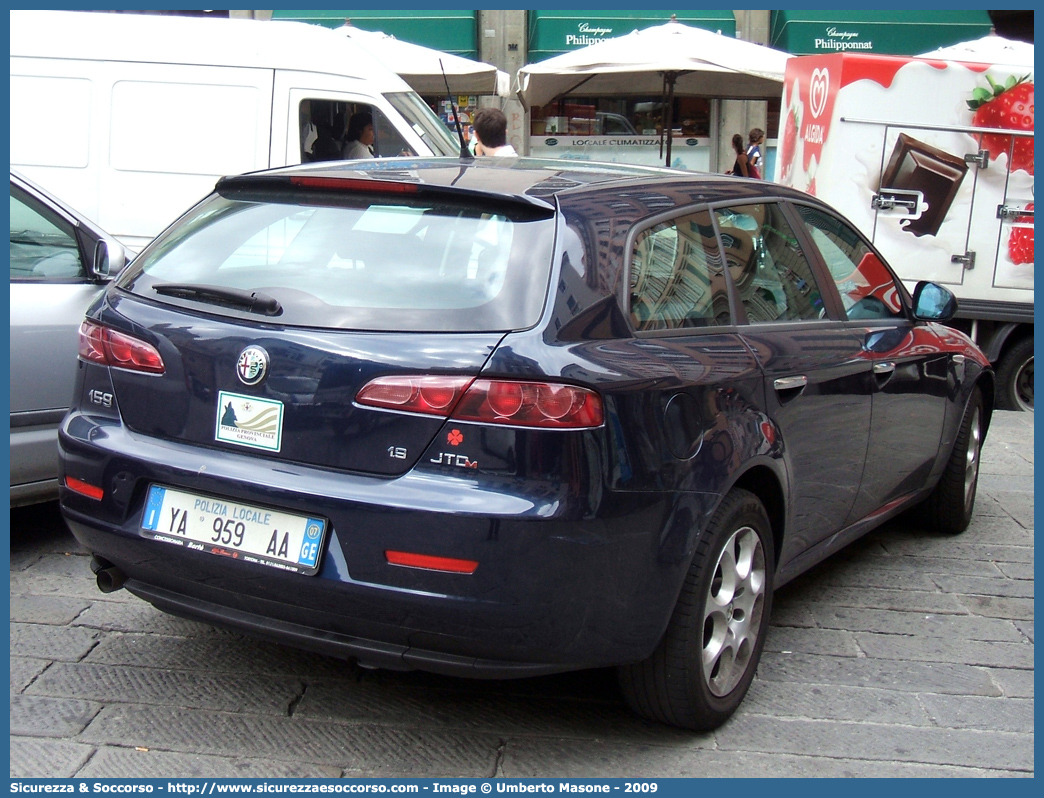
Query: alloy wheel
[{"x": 733, "y": 611}]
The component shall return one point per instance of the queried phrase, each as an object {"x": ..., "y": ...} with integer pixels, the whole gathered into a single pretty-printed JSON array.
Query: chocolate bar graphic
[{"x": 916, "y": 166}]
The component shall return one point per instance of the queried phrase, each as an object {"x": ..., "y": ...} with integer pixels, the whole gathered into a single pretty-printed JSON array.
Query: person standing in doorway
[{"x": 491, "y": 131}]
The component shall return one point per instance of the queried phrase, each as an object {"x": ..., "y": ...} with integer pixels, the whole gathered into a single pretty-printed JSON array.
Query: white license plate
[{"x": 242, "y": 531}]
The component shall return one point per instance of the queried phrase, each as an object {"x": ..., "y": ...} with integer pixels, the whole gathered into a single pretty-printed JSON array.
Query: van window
[
  {"x": 325, "y": 125},
  {"x": 425, "y": 123}
]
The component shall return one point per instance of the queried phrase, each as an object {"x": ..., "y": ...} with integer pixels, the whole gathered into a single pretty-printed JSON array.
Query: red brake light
[
  {"x": 530, "y": 404},
  {"x": 429, "y": 395},
  {"x": 508, "y": 402},
  {"x": 111, "y": 348},
  {"x": 355, "y": 184}
]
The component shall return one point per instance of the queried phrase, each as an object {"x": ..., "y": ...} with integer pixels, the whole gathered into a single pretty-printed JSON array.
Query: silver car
[{"x": 60, "y": 261}]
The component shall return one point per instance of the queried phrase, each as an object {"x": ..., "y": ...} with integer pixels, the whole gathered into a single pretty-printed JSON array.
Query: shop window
[
  {"x": 770, "y": 272},
  {"x": 677, "y": 279},
  {"x": 606, "y": 116}
]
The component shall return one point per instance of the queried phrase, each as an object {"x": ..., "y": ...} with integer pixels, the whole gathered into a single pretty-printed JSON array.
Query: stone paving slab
[
  {"x": 575, "y": 759},
  {"x": 110, "y": 684},
  {"x": 33, "y": 758},
  {"x": 132, "y": 763},
  {"x": 421, "y": 752},
  {"x": 905, "y": 655}
]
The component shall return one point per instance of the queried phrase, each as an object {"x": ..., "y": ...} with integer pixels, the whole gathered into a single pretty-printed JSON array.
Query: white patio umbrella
[
  {"x": 666, "y": 59},
  {"x": 422, "y": 67},
  {"x": 991, "y": 49}
]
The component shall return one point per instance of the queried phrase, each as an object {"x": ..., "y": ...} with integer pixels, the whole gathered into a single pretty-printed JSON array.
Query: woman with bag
[{"x": 742, "y": 166}]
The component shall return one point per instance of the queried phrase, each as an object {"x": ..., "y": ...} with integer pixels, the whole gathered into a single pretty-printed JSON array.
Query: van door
[
  {"x": 1014, "y": 226},
  {"x": 926, "y": 199},
  {"x": 306, "y": 103}
]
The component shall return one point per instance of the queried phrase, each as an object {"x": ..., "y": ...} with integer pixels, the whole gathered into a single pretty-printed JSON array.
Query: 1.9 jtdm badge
[{"x": 252, "y": 365}]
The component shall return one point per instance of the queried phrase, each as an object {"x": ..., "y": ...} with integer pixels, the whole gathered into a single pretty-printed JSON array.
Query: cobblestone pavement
[{"x": 907, "y": 654}]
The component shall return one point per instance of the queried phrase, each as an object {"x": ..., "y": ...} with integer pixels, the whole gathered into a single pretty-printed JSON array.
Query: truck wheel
[
  {"x": 699, "y": 673},
  {"x": 949, "y": 506},
  {"x": 1015, "y": 377}
]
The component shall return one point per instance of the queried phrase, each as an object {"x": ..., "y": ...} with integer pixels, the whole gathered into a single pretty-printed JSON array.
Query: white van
[
  {"x": 907, "y": 149},
  {"x": 132, "y": 118}
]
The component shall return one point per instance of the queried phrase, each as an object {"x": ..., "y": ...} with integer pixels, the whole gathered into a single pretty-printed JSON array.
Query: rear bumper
[{"x": 563, "y": 582}]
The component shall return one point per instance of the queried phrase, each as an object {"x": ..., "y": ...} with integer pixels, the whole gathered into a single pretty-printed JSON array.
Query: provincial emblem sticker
[{"x": 249, "y": 421}]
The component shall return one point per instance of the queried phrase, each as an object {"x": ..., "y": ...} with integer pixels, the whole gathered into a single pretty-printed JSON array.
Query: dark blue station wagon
[{"x": 510, "y": 417}]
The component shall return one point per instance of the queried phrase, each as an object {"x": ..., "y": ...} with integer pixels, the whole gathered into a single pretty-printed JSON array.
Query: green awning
[
  {"x": 452, "y": 31},
  {"x": 556, "y": 32},
  {"x": 889, "y": 32}
]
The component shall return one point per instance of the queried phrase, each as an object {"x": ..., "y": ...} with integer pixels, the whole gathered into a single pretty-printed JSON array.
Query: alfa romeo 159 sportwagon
[{"x": 511, "y": 417}]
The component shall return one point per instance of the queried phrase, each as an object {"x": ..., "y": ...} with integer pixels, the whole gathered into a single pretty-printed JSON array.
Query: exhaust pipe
[{"x": 109, "y": 577}]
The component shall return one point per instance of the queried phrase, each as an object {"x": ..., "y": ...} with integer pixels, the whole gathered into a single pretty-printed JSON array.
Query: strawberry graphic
[
  {"x": 1008, "y": 106},
  {"x": 1020, "y": 242}
]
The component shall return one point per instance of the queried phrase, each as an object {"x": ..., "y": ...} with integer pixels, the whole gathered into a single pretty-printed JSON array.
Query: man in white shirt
[{"x": 491, "y": 131}]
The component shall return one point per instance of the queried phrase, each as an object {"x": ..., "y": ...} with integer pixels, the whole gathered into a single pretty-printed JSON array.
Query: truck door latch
[
  {"x": 980, "y": 159},
  {"x": 1008, "y": 213},
  {"x": 886, "y": 202},
  {"x": 967, "y": 260}
]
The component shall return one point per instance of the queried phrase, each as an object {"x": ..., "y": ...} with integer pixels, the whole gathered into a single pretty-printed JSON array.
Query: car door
[
  {"x": 910, "y": 376},
  {"x": 709, "y": 396},
  {"x": 51, "y": 288},
  {"x": 814, "y": 369}
]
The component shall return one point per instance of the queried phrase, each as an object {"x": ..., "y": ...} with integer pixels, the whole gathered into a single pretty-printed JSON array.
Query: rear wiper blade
[{"x": 250, "y": 301}]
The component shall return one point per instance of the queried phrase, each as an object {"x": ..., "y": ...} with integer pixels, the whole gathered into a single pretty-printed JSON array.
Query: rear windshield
[{"x": 369, "y": 263}]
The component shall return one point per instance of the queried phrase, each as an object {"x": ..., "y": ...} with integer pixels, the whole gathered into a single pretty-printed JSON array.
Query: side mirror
[
  {"x": 109, "y": 259},
  {"x": 932, "y": 302}
]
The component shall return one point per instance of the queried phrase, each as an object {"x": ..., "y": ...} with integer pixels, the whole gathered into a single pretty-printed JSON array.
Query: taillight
[
  {"x": 530, "y": 404},
  {"x": 109, "y": 347},
  {"x": 429, "y": 395},
  {"x": 509, "y": 402}
]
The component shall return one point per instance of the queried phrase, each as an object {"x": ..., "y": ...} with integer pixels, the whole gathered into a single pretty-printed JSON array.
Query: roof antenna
[{"x": 465, "y": 153}]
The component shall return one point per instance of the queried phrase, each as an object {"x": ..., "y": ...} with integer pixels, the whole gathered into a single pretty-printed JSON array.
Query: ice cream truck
[{"x": 933, "y": 161}]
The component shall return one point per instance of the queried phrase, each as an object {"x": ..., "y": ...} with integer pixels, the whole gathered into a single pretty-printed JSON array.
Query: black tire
[
  {"x": 700, "y": 671},
  {"x": 948, "y": 509},
  {"x": 1015, "y": 377}
]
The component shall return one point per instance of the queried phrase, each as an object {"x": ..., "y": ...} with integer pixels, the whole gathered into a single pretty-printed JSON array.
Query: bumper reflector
[
  {"x": 84, "y": 488},
  {"x": 430, "y": 563}
]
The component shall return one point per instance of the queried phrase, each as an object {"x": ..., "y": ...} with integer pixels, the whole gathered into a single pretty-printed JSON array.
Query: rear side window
[
  {"x": 771, "y": 274},
  {"x": 677, "y": 278},
  {"x": 369, "y": 264}
]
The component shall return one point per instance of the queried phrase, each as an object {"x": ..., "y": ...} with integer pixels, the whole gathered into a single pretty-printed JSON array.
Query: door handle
[
  {"x": 789, "y": 383},
  {"x": 789, "y": 387},
  {"x": 883, "y": 371}
]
